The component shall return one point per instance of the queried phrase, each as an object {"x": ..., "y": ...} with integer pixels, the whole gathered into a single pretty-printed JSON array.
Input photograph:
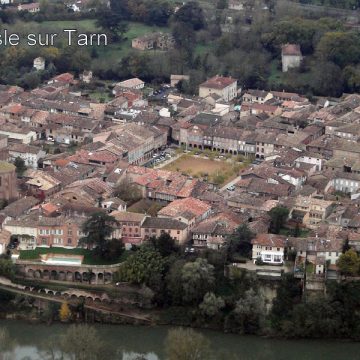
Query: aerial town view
[{"x": 179, "y": 179}]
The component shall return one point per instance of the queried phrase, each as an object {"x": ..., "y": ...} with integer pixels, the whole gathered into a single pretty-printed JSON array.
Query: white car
[{"x": 231, "y": 188}]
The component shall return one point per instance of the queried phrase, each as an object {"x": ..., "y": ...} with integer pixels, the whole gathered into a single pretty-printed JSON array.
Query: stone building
[
  {"x": 39, "y": 63},
  {"x": 291, "y": 56},
  {"x": 225, "y": 87},
  {"x": 8, "y": 188},
  {"x": 154, "y": 41}
]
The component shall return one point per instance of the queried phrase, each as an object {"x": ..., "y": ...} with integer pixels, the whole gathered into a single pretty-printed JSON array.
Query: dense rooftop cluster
[{"x": 74, "y": 153}]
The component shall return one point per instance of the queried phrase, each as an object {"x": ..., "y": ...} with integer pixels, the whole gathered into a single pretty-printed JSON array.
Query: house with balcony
[{"x": 269, "y": 248}]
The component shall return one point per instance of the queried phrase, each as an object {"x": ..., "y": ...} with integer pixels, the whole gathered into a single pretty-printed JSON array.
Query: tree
[
  {"x": 287, "y": 295},
  {"x": 278, "y": 217},
  {"x": 174, "y": 283},
  {"x": 249, "y": 312},
  {"x": 112, "y": 22},
  {"x": 164, "y": 244},
  {"x": 240, "y": 241},
  {"x": 341, "y": 48},
  {"x": 349, "y": 263},
  {"x": 144, "y": 267},
  {"x": 159, "y": 12},
  {"x": 315, "y": 318},
  {"x": 127, "y": 191},
  {"x": 31, "y": 80},
  {"x": 197, "y": 279},
  {"x": 7, "y": 268},
  {"x": 113, "y": 249},
  {"x": 82, "y": 342},
  {"x": 98, "y": 228},
  {"x": 326, "y": 79},
  {"x": 191, "y": 14},
  {"x": 20, "y": 166},
  {"x": 346, "y": 246},
  {"x": 64, "y": 312},
  {"x": 187, "y": 344},
  {"x": 211, "y": 304}
]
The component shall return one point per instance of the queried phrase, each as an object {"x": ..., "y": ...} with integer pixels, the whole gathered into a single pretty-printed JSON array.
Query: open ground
[{"x": 216, "y": 171}]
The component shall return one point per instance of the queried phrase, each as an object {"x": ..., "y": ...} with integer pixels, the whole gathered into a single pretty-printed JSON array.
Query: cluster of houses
[{"x": 302, "y": 155}]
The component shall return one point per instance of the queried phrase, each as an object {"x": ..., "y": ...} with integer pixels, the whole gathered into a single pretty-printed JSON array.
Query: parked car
[{"x": 231, "y": 188}]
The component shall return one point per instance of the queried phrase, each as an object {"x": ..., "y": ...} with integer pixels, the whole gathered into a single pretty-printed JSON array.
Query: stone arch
[
  {"x": 81, "y": 298},
  {"x": 62, "y": 276},
  {"x": 30, "y": 273},
  {"x": 78, "y": 276},
  {"x": 97, "y": 299},
  {"x": 89, "y": 299},
  {"x": 57, "y": 293},
  {"x": 108, "y": 278},
  {"x": 50, "y": 292},
  {"x": 69, "y": 276},
  {"x": 100, "y": 277},
  {"x": 73, "y": 296},
  {"x": 37, "y": 274},
  {"x": 27, "y": 288},
  {"x": 53, "y": 275},
  {"x": 93, "y": 278},
  {"x": 42, "y": 291},
  {"x": 65, "y": 294},
  {"x": 46, "y": 274},
  {"x": 85, "y": 276}
]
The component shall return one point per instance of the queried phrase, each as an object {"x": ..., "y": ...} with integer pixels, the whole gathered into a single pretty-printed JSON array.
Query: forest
[{"x": 245, "y": 45}]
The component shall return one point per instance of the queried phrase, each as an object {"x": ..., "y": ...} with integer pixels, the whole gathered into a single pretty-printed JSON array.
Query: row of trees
[{"x": 83, "y": 342}]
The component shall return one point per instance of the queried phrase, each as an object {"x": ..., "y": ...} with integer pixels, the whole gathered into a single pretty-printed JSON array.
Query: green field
[
  {"x": 82, "y": 25},
  {"x": 89, "y": 258}
]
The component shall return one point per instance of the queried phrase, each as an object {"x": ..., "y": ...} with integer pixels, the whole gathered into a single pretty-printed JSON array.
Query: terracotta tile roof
[
  {"x": 291, "y": 49},
  {"x": 218, "y": 82},
  {"x": 20, "y": 206},
  {"x": 272, "y": 240},
  {"x": 188, "y": 208},
  {"x": 128, "y": 216},
  {"x": 163, "y": 223},
  {"x": 66, "y": 77}
]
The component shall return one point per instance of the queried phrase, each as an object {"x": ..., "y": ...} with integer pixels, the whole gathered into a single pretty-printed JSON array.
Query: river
[{"x": 149, "y": 342}]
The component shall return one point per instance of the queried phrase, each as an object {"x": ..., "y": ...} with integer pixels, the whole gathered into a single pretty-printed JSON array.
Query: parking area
[
  {"x": 161, "y": 94},
  {"x": 161, "y": 157}
]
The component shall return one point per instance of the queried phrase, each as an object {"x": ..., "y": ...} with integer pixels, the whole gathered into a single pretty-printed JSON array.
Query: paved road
[{"x": 232, "y": 182}]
